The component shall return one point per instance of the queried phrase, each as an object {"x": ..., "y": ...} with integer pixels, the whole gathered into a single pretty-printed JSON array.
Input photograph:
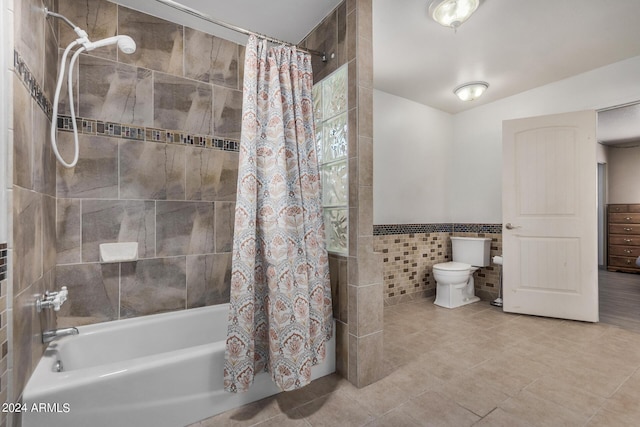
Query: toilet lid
[{"x": 452, "y": 266}]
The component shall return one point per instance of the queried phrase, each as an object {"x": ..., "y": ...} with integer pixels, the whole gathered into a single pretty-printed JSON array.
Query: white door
[{"x": 549, "y": 211}]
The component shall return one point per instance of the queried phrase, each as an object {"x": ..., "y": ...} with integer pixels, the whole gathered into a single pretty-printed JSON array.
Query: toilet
[{"x": 455, "y": 279}]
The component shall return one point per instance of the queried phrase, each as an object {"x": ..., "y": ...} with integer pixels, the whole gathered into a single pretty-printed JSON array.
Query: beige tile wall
[
  {"x": 407, "y": 262},
  {"x": 177, "y": 105},
  {"x": 82, "y": 208},
  {"x": 31, "y": 248},
  {"x": 325, "y": 38},
  {"x": 346, "y": 33}
]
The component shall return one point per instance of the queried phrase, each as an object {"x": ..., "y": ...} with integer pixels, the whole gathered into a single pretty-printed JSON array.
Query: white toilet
[{"x": 455, "y": 279}]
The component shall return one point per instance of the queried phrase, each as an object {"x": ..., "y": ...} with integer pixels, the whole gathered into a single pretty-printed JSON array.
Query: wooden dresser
[{"x": 624, "y": 237}]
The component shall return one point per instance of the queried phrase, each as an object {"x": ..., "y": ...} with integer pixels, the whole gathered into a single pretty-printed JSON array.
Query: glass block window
[{"x": 330, "y": 113}]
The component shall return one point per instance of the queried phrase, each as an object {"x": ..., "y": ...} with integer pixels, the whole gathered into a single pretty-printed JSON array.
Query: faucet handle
[
  {"x": 52, "y": 300},
  {"x": 59, "y": 298}
]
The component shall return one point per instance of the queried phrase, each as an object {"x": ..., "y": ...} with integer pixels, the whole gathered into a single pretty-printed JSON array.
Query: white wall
[
  {"x": 430, "y": 166},
  {"x": 623, "y": 175},
  {"x": 475, "y": 174},
  {"x": 411, "y": 159}
]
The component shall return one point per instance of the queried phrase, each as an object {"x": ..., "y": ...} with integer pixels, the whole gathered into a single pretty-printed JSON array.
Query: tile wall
[
  {"x": 31, "y": 249},
  {"x": 324, "y": 38},
  {"x": 166, "y": 105},
  {"x": 4, "y": 329},
  {"x": 158, "y": 166},
  {"x": 411, "y": 250},
  {"x": 346, "y": 36}
]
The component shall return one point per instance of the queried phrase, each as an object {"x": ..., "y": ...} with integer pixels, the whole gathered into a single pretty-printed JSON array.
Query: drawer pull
[
  {"x": 628, "y": 240},
  {"x": 628, "y": 251},
  {"x": 627, "y": 228},
  {"x": 628, "y": 262},
  {"x": 628, "y": 218}
]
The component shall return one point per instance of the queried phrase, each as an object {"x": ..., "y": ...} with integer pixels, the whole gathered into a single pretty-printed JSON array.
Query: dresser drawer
[
  {"x": 618, "y": 208},
  {"x": 624, "y": 240},
  {"x": 628, "y": 251},
  {"x": 624, "y": 229},
  {"x": 624, "y": 218},
  {"x": 620, "y": 261}
]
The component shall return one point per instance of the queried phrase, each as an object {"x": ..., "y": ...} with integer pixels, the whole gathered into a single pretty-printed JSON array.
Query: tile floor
[{"x": 474, "y": 365}]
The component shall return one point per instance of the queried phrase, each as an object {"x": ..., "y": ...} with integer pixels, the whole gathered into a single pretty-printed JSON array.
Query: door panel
[
  {"x": 550, "y": 204},
  {"x": 546, "y": 263}
]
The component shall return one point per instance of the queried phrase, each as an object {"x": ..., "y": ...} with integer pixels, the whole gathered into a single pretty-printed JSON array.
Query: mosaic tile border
[
  {"x": 389, "y": 229},
  {"x": 141, "y": 133},
  {"x": 37, "y": 93},
  {"x": 478, "y": 228},
  {"x": 120, "y": 130},
  {"x": 3, "y": 261}
]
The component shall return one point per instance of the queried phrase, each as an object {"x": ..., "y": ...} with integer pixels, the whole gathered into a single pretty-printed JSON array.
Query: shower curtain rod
[{"x": 200, "y": 15}]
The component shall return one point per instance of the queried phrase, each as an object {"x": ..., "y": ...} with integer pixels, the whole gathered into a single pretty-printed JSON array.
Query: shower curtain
[{"x": 280, "y": 309}]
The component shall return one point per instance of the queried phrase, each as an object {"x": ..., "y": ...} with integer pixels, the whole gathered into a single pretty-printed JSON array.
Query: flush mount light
[
  {"x": 452, "y": 13},
  {"x": 470, "y": 91}
]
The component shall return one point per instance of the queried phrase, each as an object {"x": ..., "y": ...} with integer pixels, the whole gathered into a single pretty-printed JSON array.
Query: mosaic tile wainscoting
[{"x": 410, "y": 251}]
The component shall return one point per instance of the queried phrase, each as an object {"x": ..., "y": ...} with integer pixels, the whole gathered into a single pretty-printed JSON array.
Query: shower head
[{"x": 125, "y": 43}]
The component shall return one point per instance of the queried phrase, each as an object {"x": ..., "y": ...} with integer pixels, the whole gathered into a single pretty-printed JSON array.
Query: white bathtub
[{"x": 159, "y": 370}]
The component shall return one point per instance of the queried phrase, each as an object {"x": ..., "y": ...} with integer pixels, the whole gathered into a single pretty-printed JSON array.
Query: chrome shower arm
[{"x": 48, "y": 13}]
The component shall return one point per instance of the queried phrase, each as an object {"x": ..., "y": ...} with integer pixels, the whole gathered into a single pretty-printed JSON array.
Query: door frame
[{"x": 602, "y": 215}]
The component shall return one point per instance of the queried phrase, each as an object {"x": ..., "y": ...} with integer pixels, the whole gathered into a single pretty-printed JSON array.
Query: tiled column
[{"x": 364, "y": 265}]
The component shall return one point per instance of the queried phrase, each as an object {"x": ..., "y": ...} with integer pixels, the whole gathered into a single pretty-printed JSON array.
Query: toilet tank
[{"x": 471, "y": 250}]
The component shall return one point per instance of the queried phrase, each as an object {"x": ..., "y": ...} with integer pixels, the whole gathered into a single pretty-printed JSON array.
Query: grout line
[
  {"x": 119, "y": 289},
  {"x": 80, "y": 223}
]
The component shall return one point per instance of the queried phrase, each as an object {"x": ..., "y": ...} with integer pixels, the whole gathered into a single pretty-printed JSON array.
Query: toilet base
[
  {"x": 455, "y": 295},
  {"x": 459, "y": 304}
]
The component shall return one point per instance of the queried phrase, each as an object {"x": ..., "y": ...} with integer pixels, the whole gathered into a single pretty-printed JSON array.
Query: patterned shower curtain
[{"x": 280, "y": 311}]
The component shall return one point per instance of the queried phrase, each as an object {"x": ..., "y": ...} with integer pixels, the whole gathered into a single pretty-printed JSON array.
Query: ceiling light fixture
[
  {"x": 470, "y": 91},
  {"x": 452, "y": 13}
]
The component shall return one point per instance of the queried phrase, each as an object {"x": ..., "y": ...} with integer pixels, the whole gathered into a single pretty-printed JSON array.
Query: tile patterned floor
[{"x": 473, "y": 365}]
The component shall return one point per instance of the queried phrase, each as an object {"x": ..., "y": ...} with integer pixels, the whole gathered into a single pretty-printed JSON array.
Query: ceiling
[
  {"x": 515, "y": 45},
  {"x": 620, "y": 126}
]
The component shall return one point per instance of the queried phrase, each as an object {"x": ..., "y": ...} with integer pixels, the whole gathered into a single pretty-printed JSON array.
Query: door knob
[{"x": 510, "y": 226}]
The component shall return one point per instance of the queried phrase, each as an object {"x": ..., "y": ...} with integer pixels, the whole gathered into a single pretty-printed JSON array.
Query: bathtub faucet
[
  {"x": 54, "y": 334},
  {"x": 52, "y": 300}
]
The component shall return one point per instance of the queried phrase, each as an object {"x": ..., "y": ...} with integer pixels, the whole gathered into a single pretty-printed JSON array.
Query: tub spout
[{"x": 54, "y": 334}]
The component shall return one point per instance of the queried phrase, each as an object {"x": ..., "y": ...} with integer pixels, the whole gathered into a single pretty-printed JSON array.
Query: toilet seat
[{"x": 452, "y": 266}]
